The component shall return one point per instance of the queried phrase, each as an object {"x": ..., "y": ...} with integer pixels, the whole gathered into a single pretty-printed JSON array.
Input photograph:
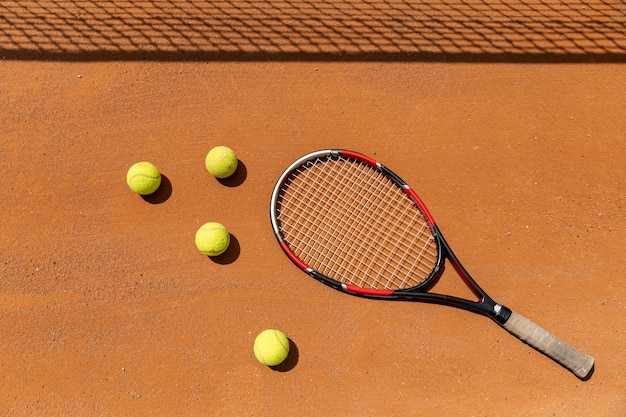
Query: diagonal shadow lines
[{"x": 460, "y": 30}]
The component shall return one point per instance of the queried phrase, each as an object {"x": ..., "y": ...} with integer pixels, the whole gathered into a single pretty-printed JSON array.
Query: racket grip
[{"x": 579, "y": 363}]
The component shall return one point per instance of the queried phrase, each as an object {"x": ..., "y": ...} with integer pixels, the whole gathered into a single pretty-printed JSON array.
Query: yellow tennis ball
[
  {"x": 143, "y": 178},
  {"x": 221, "y": 162},
  {"x": 271, "y": 347},
  {"x": 212, "y": 239}
]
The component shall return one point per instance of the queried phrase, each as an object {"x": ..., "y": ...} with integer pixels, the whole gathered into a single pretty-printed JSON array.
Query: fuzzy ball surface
[
  {"x": 212, "y": 239},
  {"x": 143, "y": 178},
  {"x": 221, "y": 162},
  {"x": 271, "y": 347}
]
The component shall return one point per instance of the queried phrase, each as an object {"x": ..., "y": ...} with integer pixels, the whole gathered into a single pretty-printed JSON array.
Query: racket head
[{"x": 353, "y": 224}]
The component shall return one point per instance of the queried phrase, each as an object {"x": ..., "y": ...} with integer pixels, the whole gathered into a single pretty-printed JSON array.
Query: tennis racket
[{"x": 351, "y": 223}]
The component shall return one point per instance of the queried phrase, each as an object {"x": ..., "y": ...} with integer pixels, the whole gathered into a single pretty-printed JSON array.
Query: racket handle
[{"x": 579, "y": 363}]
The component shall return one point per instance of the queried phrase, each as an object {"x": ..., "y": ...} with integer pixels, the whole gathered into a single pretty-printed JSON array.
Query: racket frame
[{"x": 484, "y": 305}]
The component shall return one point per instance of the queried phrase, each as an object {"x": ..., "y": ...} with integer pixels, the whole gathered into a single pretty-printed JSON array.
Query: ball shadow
[
  {"x": 162, "y": 194},
  {"x": 238, "y": 177},
  {"x": 291, "y": 361},
  {"x": 231, "y": 254}
]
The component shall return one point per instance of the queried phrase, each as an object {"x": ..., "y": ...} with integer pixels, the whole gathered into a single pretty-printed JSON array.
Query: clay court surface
[{"x": 508, "y": 119}]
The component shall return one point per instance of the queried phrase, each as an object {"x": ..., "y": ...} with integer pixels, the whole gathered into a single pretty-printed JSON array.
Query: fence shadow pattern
[{"x": 314, "y": 29}]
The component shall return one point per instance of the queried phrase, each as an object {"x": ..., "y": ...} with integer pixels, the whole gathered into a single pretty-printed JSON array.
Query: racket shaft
[{"x": 579, "y": 363}]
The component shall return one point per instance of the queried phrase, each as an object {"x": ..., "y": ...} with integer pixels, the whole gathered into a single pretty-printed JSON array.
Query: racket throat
[
  {"x": 484, "y": 305},
  {"x": 497, "y": 312},
  {"x": 501, "y": 314}
]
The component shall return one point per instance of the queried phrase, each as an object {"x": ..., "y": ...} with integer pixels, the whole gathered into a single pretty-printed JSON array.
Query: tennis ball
[
  {"x": 221, "y": 162},
  {"x": 212, "y": 239},
  {"x": 271, "y": 347},
  {"x": 143, "y": 178}
]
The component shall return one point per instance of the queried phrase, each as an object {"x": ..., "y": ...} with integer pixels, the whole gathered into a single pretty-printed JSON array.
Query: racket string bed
[
  {"x": 340, "y": 253},
  {"x": 343, "y": 233},
  {"x": 384, "y": 222},
  {"x": 358, "y": 224},
  {"x": 313, "y": 240},
  {"x": 316, "y": 242},
  {"x": 370, "y": 172},
  {"x": 316, "y": 198}
]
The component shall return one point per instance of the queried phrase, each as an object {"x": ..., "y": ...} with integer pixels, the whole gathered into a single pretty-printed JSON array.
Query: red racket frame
[{"x": 484, "y": 305}]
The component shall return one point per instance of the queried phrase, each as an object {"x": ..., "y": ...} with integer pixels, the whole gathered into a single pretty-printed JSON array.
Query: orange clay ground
[{"x": 108, "y": 309}]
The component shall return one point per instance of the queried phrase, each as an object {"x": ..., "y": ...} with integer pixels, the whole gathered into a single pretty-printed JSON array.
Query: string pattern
[{"x": 353, "y": 224}]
